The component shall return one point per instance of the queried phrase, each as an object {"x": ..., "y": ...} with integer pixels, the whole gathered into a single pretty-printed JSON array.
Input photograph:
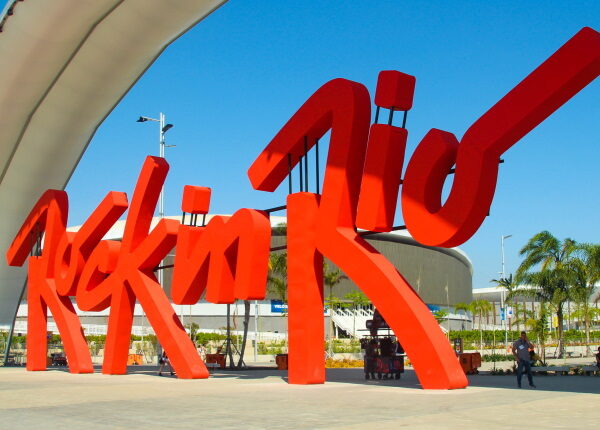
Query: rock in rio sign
[{"x": 227, "y": 259}]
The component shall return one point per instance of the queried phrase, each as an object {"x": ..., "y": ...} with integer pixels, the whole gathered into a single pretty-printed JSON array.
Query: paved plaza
[{"x": 261, "y": 399}]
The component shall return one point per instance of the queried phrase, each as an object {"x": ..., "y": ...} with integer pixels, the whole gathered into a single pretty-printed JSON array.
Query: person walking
[
  {"x": 521, "y": 350},
  {"x": 165, "y": 362}
]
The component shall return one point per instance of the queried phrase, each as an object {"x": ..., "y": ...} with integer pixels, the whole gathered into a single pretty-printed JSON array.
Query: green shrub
[
  {"x": 471, "y": 337},
  {"x": 344, "y": 346},
  {"x": 272, "y": 348},
  {"x": 497, "y": 357},
  {"x": 204, "y": 338}
]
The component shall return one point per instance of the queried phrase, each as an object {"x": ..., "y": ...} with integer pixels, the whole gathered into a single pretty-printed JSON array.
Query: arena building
[
  {"x": 521, "y": 306},
  {"x": 441, "y": 276}
]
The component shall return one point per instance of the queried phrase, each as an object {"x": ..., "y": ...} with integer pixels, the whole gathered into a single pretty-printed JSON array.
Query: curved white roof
[
  {"x": 66, "y": 64},
  {"x": 400, "y": 236}
]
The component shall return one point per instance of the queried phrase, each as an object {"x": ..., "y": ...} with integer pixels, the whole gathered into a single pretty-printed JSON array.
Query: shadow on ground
[
  {"x": 558, "y": 383},
  {"x": 571, "y": 383}
]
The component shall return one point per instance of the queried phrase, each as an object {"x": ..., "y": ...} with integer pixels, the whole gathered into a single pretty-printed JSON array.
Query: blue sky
[{"x": 229, "y": 84}]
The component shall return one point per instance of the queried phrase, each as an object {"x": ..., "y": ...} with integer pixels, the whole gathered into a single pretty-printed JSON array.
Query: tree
[
  {"x": 276, "y": 282},
  {"x": 586, "y": 274},
  {"x": 440, "y": 315},
  {"x": 547, "y": 268},
  {"x": 245, "y": 336},
  {"x": 277, "y": 277},
  {"x": 480, "y": 308},
  {"x": 510, "y": 286},
  {"x": 330, "y": 279},
  {"x": 280, "y": 229},
  {"x": 536, "y": 324},
  {"x": 520, "y": 314},
  {"x": 540, "y": 290},
  {"x": 193, "y": 327},
  {"x": 465, "y": 308},
  {"x": 526, "y": 317},
  {"x": 580, "y": 314},
  {"x": 356, "y": 299}
]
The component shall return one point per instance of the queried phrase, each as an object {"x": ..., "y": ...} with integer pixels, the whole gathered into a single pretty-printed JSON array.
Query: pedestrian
[
  {"x": 370, "y": 358},
  {"x": 521, "y": 350},
  {"x": 598, "y": 358},
  {"x": 202, "y": 351},
  {"x": 164, "y": 361}
]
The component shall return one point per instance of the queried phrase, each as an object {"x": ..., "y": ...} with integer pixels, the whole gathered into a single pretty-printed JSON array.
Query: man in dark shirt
[{"x": 520, "y": 350}]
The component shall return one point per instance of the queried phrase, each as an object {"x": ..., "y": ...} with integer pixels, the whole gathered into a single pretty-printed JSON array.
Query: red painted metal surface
[
  {"x": 325, "y": 226},
  {"x": 228, "y": 258},
  {"x": 553, "y": 83}
]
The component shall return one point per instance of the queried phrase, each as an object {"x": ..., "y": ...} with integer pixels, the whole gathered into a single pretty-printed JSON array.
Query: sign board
[
  {"x": 509, "y": 312},
  {"x": 277, "y": 306}
]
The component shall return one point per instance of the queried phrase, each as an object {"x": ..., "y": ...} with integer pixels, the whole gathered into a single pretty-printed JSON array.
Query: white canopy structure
[{"x": 66, "y": 64}]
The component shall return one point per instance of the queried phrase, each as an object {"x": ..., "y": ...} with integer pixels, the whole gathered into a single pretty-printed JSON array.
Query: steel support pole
[
  {"x": 12, "y": 326},
  {"x": 161, "y": 198},
  {"x": 502, "y": 299},
  {"x": 255, "y": 331}
]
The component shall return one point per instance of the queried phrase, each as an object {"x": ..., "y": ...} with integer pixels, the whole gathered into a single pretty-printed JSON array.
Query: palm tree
[
  {"x": 245, "y": 335},
  {"x": 480, "y": 308},
  {"x": 547, "y": 268},
  {"x": 586, "y": 273},
  {"x": 526, "y": 317},
  {"x": 277, "y": 277},
  {"x": 465, "y": 307},
  {"x": 520, "y": 315},
  {"x": 510, "y": 286},
  {"x": 331, "y": 278},
  {"x": 277, "y": 283},
  {"x": 440, "y": 315},
  {"x": 542, "y": 292},
  {"x": 536, "y": 324}
]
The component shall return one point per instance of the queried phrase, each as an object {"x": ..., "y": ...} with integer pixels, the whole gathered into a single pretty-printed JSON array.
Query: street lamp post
[
  {"x": 502, "y": 307},
  {"x": 162, "y": 129}
]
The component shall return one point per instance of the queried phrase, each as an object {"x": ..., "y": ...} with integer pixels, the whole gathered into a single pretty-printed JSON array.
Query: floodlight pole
[{"x": 502, "y": 300}]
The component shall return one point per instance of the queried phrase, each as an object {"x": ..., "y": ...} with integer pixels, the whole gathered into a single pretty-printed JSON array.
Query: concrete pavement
[{"x": 261, "y": 399}]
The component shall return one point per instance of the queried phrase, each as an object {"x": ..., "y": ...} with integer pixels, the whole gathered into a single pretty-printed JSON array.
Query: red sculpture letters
[
  {"x": 227, "y": 259},
  {"x": 560, "y": 77}
]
